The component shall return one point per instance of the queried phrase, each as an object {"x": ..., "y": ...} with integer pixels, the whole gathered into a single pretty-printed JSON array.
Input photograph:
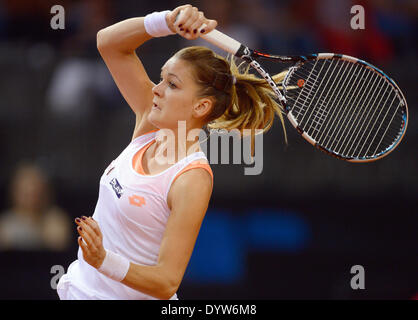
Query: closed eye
[{"x": 170, "y": 83}]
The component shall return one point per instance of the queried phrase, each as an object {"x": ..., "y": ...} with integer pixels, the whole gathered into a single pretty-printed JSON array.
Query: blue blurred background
[{"x": 292, "y": 232}]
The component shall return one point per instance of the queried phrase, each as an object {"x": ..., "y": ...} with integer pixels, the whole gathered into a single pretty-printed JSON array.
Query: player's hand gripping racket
[{"x": 342, "y": 105}]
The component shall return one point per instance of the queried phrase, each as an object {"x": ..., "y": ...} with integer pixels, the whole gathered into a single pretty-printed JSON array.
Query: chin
[
  {"x": 153, "y": 119},
  {"x": 157, "y": 119}
]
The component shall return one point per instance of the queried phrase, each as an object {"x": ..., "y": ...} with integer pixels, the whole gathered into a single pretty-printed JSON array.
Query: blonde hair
[{"x": 246, "y": 104}]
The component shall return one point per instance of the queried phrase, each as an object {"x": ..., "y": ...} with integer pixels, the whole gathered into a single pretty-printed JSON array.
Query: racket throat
[
  {"x": 249, "y": 55},
  {"x": 270, "y": 81}
]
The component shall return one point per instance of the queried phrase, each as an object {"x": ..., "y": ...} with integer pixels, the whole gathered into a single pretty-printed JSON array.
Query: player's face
[{"x": 175, "y": 96}]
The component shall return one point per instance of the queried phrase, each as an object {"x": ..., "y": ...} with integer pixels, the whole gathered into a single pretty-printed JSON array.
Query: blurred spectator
[
  {"x": 33, "y": 222},
  {"x": 78, "y": 85},
  {"x": 81, "y": 80}
]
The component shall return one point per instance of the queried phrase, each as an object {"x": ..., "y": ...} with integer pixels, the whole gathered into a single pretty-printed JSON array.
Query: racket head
[{"x": 345, "y": 107}]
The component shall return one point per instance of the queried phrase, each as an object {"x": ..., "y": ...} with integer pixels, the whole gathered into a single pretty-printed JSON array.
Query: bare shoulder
[
  {"x": 192, "y": 185},
  {"x": 195, "y": 176}
]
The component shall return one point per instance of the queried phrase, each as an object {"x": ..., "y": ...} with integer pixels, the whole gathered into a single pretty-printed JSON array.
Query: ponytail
[
  {"x": 253, "y": 105},
  {"x": 241, "y": 100}
]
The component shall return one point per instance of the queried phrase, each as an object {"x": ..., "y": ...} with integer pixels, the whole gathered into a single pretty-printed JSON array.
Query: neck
[{"x": 173, "y": 145}]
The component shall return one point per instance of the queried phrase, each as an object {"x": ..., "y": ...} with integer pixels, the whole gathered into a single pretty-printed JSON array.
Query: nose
[{"x": 157, "y": 90}]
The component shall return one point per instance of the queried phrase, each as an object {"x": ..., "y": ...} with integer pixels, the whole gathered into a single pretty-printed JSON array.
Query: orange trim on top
[
  {"x": 137, "y": 163},
  {"x": 137, "y": 159},
  {"x": 145, "y": 133},
  {"x": 150, "y": 132},
  {"x": 193, "y": 165}
]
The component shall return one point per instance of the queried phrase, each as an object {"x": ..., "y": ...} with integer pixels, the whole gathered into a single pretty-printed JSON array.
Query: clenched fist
[{"x": 189, "y": 22}]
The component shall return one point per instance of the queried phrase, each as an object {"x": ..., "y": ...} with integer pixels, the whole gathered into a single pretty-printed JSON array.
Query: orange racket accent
[{"x": 301, "y": 82}]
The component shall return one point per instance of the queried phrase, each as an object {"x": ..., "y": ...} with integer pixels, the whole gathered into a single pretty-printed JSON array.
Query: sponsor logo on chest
[{"x": 116, "y": 187}]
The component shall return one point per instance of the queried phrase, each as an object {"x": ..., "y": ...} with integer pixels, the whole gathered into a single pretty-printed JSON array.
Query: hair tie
[{"x": 224, "y": 82}]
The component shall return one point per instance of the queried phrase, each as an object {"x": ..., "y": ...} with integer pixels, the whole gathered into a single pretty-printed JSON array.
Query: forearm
[
  {"x": 151, "y": 280},
  {"x": 159, "y": 281},
  {"x": 124, "y": 36}
]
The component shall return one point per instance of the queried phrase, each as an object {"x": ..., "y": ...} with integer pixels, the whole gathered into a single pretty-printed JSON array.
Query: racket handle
[
  {"x": 222, "y": 41},
  {"x": 219, "y": 39}
]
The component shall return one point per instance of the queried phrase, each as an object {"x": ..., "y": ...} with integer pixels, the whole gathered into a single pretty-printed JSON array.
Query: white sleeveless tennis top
[{"x": 132, "y": 213}]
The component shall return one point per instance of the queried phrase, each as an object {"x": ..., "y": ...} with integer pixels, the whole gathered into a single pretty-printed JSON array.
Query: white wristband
[
  {"x": 156, "y": 25},
  {"x": 114, "y": 266}
]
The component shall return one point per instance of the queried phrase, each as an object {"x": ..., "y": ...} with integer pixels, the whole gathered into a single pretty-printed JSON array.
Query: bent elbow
[
  {"x": 103, "y": 39},
  {"x": 168, "y": 291},
  {"x": 100, "y": 39},
  {"x": 168, "y": 288}
]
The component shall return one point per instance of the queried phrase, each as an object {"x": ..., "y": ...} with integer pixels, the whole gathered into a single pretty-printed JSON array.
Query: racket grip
[
  {"x": 222, "y": 41},
  {"x": 219, "y": 39}
]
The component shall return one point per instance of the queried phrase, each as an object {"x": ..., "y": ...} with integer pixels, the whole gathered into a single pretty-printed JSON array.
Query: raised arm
[{"x": 117, "y": 44}]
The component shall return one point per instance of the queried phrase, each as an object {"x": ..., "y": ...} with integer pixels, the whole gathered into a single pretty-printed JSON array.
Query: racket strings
[
  {"x": 316, "y": 117},
  {"x": 320, "y": 106},
  {"x": 312, "y": 77},
  {"x": 353, "y": 107},
  {"x": 354, "y": 143},
  {"x": 383, "y": 126},
  {"x": 334, "y": 122},
  {"x": 342, "y": 138},
  {"x": 309, "y": 100},
  {"x": 374, "y": 114},
  {"x": 326, "y": 133},
  {"x": 302, "y": 109},
  {"x": 320, "y": 112},
  {"x": 327, "y": 98},
  {"x": 346, "y": 107}
]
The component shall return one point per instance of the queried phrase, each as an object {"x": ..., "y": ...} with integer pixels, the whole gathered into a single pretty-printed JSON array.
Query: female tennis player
[{"x": 140, "y": 238}]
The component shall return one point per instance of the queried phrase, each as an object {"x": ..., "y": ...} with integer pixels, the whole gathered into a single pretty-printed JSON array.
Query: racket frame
[
  {"x": 241, "y": 51},
  {"x": 351, "y": 59}
]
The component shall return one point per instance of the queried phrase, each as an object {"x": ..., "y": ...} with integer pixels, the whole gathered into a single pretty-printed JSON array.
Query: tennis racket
[{"x": 342, "y": 105}]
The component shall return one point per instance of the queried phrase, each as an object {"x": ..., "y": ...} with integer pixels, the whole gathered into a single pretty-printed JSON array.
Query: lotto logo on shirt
[
  {"x": 136, "y": 200},
  {"x": 116, "y": 187}
]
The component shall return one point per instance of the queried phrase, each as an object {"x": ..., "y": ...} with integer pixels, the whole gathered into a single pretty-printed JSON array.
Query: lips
[{"x": 155, "y": 106}]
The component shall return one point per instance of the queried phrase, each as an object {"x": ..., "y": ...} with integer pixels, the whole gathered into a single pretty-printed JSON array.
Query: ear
[{"x": 202, "y": 108}]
